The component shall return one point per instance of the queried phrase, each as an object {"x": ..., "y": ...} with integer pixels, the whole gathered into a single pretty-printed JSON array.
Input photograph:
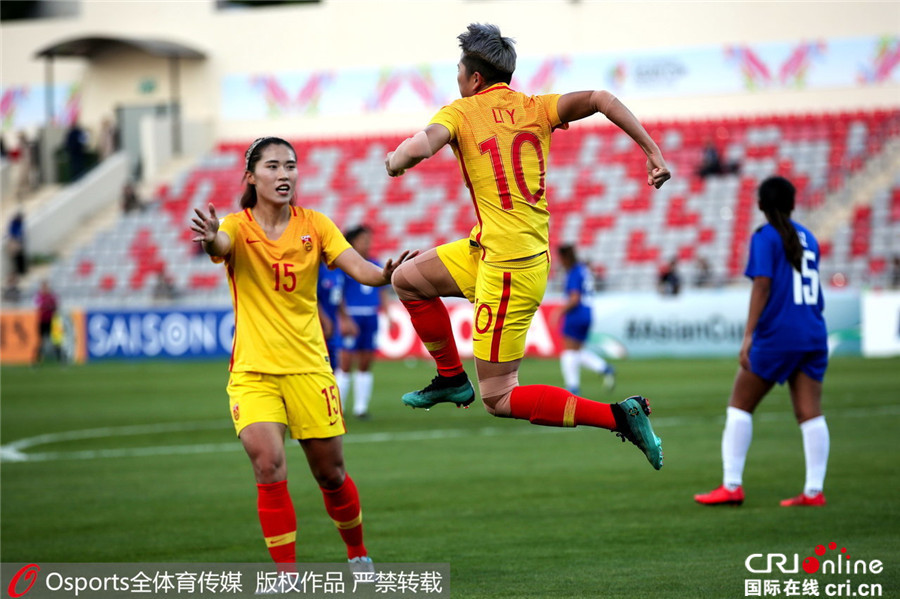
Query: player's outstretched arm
[
  {"x": 206, "y": 226},
  {"x": 415, "y": 149},
  {"x": 367, "y": 273},
  {"x": 579, "y": 105}
]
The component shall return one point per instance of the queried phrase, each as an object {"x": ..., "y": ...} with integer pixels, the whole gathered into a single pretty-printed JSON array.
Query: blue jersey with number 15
[{"x": 792, "y": 318}]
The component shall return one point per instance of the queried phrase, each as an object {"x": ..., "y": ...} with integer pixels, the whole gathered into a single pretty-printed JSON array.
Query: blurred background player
[
  {"x": 784, "y": 340},
  {"x": 330, "y": 295},
  {"x": 279, "y": 368},
  {"x": 501, "y": 139},
  {"x": 576, "y": 325},
  {"x": 362, "y": 304},
  {"x": 47, "y": 305}
]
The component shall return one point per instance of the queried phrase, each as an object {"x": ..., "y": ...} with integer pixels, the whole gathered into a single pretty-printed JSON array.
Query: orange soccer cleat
[
  {"x": 805, "y": 500},
  {"x": 721, "y": 496}
]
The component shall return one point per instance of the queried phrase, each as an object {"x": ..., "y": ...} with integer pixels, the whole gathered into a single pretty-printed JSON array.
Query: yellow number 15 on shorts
[{"x": 308, "y": 404}]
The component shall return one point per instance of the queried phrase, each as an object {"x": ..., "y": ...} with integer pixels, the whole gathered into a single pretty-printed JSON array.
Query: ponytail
[{"x": 776, "y": 200}]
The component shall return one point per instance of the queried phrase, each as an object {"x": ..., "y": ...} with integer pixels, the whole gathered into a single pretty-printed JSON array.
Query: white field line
[{"x": 14, "y": 452}]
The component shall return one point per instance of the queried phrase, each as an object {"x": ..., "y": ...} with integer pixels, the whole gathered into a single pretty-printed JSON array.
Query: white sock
[
  {"x": 816, "y": 443},
  {"x": 343, "y": 383},
  {"x": 592, "y": 361},
  {"x": 735, "y": 444},
  {"x": 362, "y": 391},
  {"x": 568, "y": 362}
]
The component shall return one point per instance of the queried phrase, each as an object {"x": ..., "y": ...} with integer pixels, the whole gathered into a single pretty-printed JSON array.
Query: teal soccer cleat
[
  {"x": 442, "y": 389},
  {"x": 632, "y": 424}
]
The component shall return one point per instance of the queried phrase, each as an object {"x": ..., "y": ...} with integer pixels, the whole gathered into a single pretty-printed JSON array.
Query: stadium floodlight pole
[
  {"x": 48, "y": 175},
  {"x": 175, "y": 100}
]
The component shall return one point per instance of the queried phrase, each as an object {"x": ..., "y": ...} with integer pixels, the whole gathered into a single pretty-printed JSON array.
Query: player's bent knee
[
  {"x": 496, "y": 392},
  {"x": 411, "y": 284},
  {"x": 497, "y": 406},
  {"x": 398, "y": 279}
]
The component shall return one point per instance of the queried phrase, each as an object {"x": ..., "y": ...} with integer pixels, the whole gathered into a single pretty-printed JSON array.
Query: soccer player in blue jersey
[
  {"x": 784, "y": 340},
  {"x": 576, "y": 324},
  {"x": 330, "y": 293},
  {"x": 362, "y": 304}
]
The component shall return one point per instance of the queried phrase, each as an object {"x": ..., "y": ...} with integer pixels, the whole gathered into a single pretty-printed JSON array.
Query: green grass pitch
[{"x": 517, "y": 510}]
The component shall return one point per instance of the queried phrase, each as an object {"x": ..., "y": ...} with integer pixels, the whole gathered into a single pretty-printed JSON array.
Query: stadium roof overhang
[{"x": 90, "y": 47}]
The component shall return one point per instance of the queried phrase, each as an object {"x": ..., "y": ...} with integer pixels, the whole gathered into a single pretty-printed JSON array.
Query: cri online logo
[
  {"x": 29, "y": 573},
  {"x": 766, "y": 563}
]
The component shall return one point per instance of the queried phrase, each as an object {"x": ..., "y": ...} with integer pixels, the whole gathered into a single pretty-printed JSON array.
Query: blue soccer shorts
[
  {"x": 368, "y": 330},
  {"x": 779, "y": 366},
  {"x": 577, "y": 323}
]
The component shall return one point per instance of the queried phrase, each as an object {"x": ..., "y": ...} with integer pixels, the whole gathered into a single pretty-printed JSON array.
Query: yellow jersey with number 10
[
  {"x": 273, "y": 290},
  {"x": 501, "y": 139}
]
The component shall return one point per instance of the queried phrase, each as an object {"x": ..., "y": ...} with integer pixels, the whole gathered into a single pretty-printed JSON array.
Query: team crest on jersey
[
  {"x": 307, "y": 242},
  {"x": 236, "y": 412}
]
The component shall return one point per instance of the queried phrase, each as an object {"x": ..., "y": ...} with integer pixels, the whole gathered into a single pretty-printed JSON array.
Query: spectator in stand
[
  {"x": 15, "y": 244},
  {"x": 46, "y": 307},
  {"x": 76, "y": 150},
  {"x": 895, "y": 273},
  {"x": 165, "y": 289},
  {"x": 704, "y": 274},
  {"x": 12, "y": 293},
  {"x": 599, "y": 272},
  {"x": 130, "y": 200},
  {"x": 26, "y": 177},
  {"x": 669, "y": 279},
  {"x": 107, "y": 144},
  {"x": 711, "y": 162}
]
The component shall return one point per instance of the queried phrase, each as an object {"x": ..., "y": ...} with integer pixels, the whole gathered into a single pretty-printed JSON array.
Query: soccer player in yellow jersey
[
  {"x": 501, "y": 139},
  {"x": 281, "y": 378}
]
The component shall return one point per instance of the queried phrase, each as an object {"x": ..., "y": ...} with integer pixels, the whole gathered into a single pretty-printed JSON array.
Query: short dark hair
[
  {"x": 356, "y": 232},
  {"x": 486, "y": 51},
  {"x": 251, "y": 157},
  {"x": 567, "y": 252}
]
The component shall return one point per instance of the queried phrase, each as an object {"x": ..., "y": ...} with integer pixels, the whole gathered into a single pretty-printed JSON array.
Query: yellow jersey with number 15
[
  {"x": 501, "y": 139},
  {"x": 273, "y": 290}
]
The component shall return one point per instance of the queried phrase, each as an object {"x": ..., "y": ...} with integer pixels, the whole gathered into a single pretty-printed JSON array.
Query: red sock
[
  {"x": 553, "y": 406},
  {"x": 432, "y": 323},
  {"x": 279, "y": 522},
  {"x": 342, "y": 505}
]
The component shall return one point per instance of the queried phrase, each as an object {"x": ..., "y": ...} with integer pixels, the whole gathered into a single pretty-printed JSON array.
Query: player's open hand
[
  {"x": 657, "y": 171},
  {"x": 206, "y": 226},
  {"x": 391, "y": 265}
]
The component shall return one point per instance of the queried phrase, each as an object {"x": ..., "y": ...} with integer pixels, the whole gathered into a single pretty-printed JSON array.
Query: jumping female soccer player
[
  {"x": 501, "y": 139},
  {"x": 281, "y": 377},
  {"x": 784, "y": 340}
]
